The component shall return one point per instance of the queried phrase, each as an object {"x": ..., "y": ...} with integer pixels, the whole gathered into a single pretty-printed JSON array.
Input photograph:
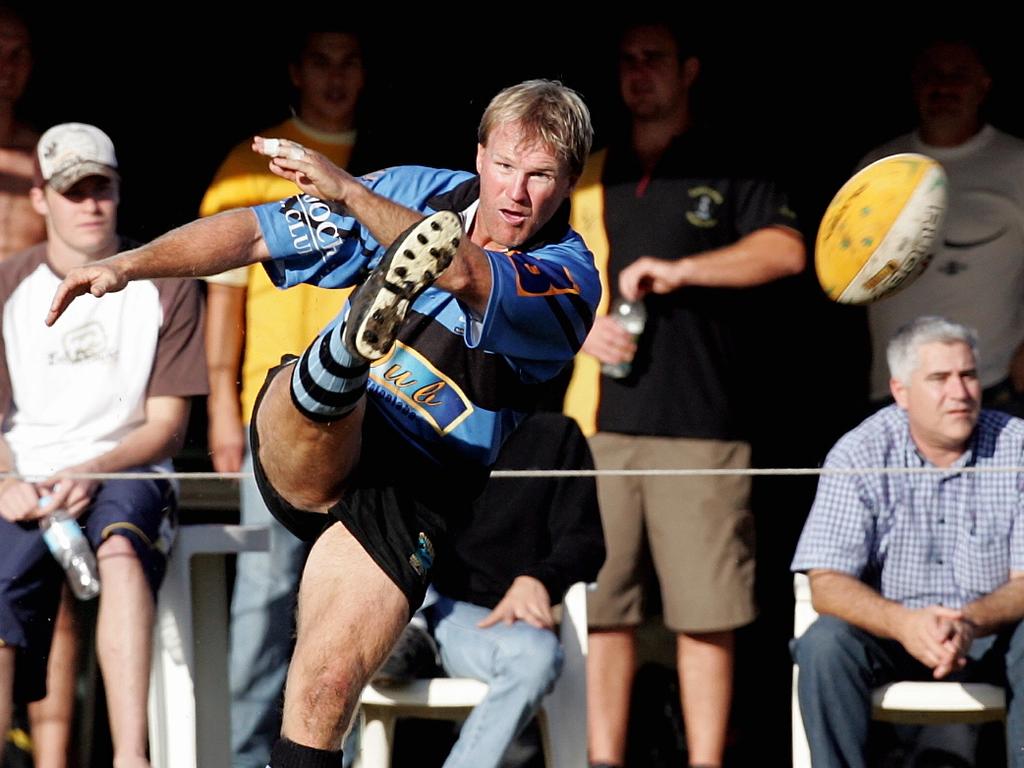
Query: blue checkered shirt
[{"x": 920, "y": 538}]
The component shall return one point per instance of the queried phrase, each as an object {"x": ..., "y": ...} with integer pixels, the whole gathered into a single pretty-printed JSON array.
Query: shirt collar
[{"x": 913, "y": 458}]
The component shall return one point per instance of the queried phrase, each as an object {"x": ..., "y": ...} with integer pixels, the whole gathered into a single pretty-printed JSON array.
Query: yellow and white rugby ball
[{"x": 881, "y": 229}]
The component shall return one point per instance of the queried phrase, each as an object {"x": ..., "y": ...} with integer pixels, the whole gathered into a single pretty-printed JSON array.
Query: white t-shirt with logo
[{"x": 71, "y": 392}]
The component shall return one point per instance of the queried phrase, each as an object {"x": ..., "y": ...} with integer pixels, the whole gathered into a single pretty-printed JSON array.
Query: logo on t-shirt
[{"x": 84, "y": 344}]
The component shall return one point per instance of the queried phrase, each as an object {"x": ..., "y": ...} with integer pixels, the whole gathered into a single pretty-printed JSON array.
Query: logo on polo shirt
[{"x": 704, "y": 204}]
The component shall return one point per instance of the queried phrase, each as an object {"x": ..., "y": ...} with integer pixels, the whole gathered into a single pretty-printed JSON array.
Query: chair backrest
[
  {"x": 803, "y": 616},
  {"x": 564, "y": 721},
  {"x": 573, "y": 631},
  {"x": 804, "y": 613},
  {"x": 188, "y": 691},
  {"x": 564, "y": 714}
]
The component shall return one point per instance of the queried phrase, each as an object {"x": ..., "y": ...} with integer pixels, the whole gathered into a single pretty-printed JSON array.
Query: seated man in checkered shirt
[{"x": 916, "y": 575}]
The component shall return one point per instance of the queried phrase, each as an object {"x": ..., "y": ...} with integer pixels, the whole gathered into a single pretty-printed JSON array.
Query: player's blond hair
[{"x": 548, "y": 111}]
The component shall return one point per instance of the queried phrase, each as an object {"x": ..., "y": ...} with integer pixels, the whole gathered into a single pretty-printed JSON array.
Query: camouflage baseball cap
[{"x": 70, "y": 152}]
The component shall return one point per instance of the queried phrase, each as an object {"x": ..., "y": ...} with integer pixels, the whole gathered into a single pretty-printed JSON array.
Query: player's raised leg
[{"x": 309, "y": 422}]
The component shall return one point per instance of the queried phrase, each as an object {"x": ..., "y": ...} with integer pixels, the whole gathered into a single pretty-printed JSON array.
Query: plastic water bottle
[
  {"x": 71, "y": 549},
  {"x": 632, "y": 316}
]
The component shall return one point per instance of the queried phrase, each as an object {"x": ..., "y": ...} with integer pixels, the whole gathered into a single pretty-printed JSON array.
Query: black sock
[{"x": 288, "y": 754}]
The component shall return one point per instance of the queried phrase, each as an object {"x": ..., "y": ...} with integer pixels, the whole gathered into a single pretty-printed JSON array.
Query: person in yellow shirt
[{"x": 250, "y": 325}]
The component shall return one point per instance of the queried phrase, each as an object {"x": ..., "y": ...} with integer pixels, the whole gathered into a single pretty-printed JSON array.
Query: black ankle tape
[{"x": 288, "y": 754}]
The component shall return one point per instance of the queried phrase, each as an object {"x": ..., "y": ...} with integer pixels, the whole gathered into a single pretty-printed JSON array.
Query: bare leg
[
  {"x": 705, "y": 682},
  {"x": 6, "y": 693},
  {"x": 350, "y": 615},
  {"x": 611, "y": 665},
  {"x": 124, "y": 636},
  {"x": 51, "y": 719},
  {"x": 306, "y": 461}
]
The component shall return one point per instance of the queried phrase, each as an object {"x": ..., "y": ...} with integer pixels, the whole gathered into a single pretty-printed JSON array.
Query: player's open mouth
[{"x": 512, "y": 217}]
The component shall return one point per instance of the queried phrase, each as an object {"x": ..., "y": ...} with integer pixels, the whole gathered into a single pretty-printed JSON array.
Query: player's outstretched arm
[{"x": 205, "y": 247}]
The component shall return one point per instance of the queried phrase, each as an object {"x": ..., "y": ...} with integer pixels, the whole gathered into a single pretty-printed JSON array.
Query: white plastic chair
[
  {"x": 562, "y": 718},
  {"x": 188, "y": 689},
  {"x": 900, "y": 702}
]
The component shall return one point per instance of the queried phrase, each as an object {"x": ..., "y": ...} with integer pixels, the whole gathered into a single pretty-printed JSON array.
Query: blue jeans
[
  {"x": 840, "y": 665},
  {"x": 519, "y": 663},
  {"x": 262, "y": 631}
]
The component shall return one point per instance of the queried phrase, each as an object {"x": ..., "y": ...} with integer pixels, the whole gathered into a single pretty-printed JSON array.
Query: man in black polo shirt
[{"x": 670, "y": 224}]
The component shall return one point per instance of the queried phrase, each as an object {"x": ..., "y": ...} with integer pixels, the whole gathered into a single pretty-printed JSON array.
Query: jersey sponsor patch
[
  {"x": 539, "y": 278},
  {"x": 312, "y": 225},
  {"x": 412, "y": 379}
]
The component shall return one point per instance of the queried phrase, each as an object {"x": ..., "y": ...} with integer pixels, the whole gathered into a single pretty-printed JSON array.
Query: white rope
[
  {"x": 751, "y": 472},
  {"x": 523, "y": 473}
]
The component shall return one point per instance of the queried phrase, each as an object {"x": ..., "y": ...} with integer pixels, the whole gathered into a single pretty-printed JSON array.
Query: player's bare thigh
[{"x": 307, "y": 462}]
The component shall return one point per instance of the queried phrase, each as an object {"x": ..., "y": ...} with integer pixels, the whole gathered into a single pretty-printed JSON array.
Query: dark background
[
  {"x": 175, "y": 95},
  {"x": 176, "y": 90}
]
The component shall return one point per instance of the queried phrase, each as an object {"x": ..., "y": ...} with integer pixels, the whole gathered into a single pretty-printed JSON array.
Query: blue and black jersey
[{"x": 455, "y": 384}]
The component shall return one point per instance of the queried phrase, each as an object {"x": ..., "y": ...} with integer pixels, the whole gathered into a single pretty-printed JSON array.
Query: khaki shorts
[{"x": 698, "y": 532}]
